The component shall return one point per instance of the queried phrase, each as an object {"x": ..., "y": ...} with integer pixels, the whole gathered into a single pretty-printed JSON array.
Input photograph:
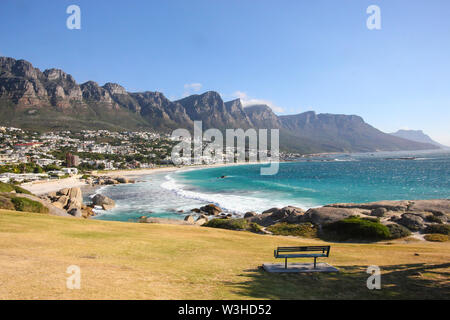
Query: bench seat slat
[{"x": 307, "y": 255}]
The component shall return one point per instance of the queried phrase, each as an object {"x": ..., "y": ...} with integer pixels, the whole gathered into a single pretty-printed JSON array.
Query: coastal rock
[
  {"x": 121, "y": 180},
  {"x": 271, "y": 210},
  {"x": 439, "y": 206},
  {"x": 201, "y": 220},
  {"x": 389, "y": 205},
  {"x": 87, "y": 212},
  {"x": 67, "y": 199},
  {"x": 189, "y": 219},
  {"x": 63, "y": 192},
  {"x": 412, "y": 222},
  {"x": 73, "y": 199},
  {"x": 378, "y": 212},
  {"x": 211, "y": 209},
  {"x": 52, "y": 195},
  {"x": 326, "y": 215},
  {"x": 76, "y": 196},
  {"x": 196, "y": 210},
  {"x": 75, "y": 212},
  {"x": 250, "y": 214},
  {"x": 103, "y": 201},
  {"x": 110, "y": 181},
  {"x": 275, "y": 215},
  {"x": 61, "y": 202}
]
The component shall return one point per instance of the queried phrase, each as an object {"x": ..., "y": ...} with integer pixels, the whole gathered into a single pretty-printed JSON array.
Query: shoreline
[
  {"x": 142, "y": 172},
  {"x": 43, "y": 187}
]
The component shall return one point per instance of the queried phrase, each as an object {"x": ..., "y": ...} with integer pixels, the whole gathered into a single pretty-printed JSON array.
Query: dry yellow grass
[{"x": 149, "y": 261}]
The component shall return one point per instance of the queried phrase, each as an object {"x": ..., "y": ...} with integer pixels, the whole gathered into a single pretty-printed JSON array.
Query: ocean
[{"x": 307, "y": 183}]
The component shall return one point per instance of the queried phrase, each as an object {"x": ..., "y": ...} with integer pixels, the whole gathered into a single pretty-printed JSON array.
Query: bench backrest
[{"x": 323, "y": 249}]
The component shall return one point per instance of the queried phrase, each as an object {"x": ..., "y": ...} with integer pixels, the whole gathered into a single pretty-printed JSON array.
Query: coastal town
[{"x": 27, "y": 156}]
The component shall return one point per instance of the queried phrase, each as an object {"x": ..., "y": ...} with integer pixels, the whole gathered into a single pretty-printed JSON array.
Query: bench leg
[
  {"x": 315, "y": 262},
  {"x": 285, "y": 263}
]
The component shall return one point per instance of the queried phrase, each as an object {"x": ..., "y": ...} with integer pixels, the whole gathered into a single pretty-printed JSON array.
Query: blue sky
[{"x": 297, "y": 55}]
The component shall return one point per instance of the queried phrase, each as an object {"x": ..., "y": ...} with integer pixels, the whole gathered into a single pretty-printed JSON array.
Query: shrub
[
  {"x": 436, "y": 237},
  {"x": 438, "y": 228},
  {"x": 306, "y": 230},
  {"x": 21, "y": 190},
  {"x": 231, "y": 224},
  {"x": 24, "y": 204},
  {"x": 398, "y": 231},
  {"x": 354, "y": 228},
  {"x": 254, "y": 227},
  {"x": 7, "y": 187}
]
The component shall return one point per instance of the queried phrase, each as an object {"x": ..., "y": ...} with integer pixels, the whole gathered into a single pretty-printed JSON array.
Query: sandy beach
[{"x": 43, "y": 187}]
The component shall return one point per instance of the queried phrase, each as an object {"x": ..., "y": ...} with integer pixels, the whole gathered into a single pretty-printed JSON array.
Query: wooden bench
[{"x": 294, "y": 252}]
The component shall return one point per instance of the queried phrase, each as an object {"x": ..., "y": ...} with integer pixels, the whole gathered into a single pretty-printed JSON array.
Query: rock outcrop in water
[{"x": 103, "y": 201}]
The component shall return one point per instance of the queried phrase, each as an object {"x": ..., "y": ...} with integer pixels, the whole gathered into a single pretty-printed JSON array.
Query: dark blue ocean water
[{"x": 308, "y": 183}]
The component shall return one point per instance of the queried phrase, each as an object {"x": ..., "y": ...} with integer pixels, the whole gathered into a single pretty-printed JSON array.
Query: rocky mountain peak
[
  {"x": 114, "y": 88},
  {"x": 262, "y": 116},
  {"x": 30, "y": 98},
  {"x": 18, "y": 68},
  {"x": 57, "y": 74}
]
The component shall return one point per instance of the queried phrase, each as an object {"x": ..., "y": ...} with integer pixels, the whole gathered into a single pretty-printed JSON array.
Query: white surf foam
[{"x": 228, "y": 202}]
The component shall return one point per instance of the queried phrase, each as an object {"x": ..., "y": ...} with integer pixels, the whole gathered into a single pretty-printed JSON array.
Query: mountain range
[
  {"x": 52, "y": 100},
  {"x": 417, "y": 135}
]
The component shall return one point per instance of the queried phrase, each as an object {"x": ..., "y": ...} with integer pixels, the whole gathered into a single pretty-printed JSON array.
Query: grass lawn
[{"x": 151, "y": 261}]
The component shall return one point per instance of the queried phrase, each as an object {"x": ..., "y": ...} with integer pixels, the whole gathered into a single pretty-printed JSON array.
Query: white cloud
[
  {"x": 248, "y": 101},
  {"x": 190, "y": 88}
]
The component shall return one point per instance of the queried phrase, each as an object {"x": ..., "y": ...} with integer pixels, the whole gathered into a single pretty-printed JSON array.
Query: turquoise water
[{"x": 308, "y": 183}]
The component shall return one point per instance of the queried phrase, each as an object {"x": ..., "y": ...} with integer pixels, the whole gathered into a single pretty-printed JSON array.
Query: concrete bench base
[{"x": 299, "y": 267}]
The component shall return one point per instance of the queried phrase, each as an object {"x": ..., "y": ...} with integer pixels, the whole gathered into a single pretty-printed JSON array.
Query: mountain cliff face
[
  {"x": 263, "y": 117},
  {"x": 342, "y": 133},
  {"x": 52, "y": 100},
  {"x": 210, "y": 108},
  {"x": 418, "y": 136}
]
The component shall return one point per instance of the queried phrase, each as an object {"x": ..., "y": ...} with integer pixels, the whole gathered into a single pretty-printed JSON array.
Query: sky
[{"x": 295, "y": 55}]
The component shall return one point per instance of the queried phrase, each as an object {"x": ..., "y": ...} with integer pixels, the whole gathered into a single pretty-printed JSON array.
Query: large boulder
[
  {"x": 275, "y": 215},
  {"x": 326, "y": 215},
  {"x": 250, "y": 214},
  {"x": 76, "y": 197},
  {"x": 211, "y": 209},
  {"x": 439, "y": 207},
  {"x": 271, "y": 210},
  {"x": 87, "y": 212},
  {"x": 378, "y": 212},
  {"x": 63, "y": 192},
  {"x": 122, "y": 180},
  {"x": 61, "y": 202},
  {"x": 110, "y": 181},
  {"x": 201, "y": 220},
  {"x": 103, "y": 201},
  {"x": 189, "y": 219},
  {"x": 412, "y": 222}
]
